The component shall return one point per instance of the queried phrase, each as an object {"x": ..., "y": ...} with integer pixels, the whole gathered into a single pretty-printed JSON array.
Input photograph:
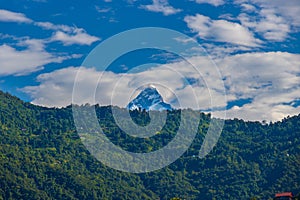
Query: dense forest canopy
[{"x": 42, "y": 157}]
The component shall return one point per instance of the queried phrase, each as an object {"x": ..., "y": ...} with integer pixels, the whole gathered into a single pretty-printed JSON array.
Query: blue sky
[{"x": 254, "y": 43}]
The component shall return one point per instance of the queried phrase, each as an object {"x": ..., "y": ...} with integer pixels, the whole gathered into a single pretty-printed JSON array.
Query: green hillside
[{"x": 42, "y": 157}]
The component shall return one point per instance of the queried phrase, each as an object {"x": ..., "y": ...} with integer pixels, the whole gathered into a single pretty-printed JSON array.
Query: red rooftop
[{"x": 284, "y": 196}]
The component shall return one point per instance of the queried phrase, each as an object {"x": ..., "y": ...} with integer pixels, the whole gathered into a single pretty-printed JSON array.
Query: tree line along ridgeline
[{"x": 42, "y": 157}]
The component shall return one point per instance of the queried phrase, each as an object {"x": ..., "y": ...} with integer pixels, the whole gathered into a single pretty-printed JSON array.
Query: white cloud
[
  {"x": 22, "y": 62},
  {"x": 221, "y": 30},
  {"x": 274, "y": 20},
  {"x": 271, "y": 80},
  {"x": 212, "y": 2},
  {"x": 17, "y": 62},
  {"x": 272, "y": 26},
  {"x": 66, "y": 34},
  {"x": 55, "y": 88},
  {"x": 221, "y": 51},
  {"x": 55, "y": 27},
  {"x": 9, "y": 16},
  {"x": 257, "y": 111},
  {"x": 78, "y": 36},
  {"x": 248, "y": 7},
  {"x": 161, "y": 6},
  {"x": 288, "y": 9},
  {"x": 32, "y": 56}
]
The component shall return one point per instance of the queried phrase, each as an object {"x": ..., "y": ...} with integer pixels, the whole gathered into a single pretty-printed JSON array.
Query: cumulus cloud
[
  {"x": 288, "y": 9},
  {"x": 274, "y": 20},
  {"x": 9, "y": 16},
  {"x": 272, "y": 26},
  {"x": 55, "y": 88},
  {"x": 270, "y": 80},
  {"x": 221, "y": 31},
  {"x": 31, "y": 59},
  {"x": 212, "y": 2},
  {"x": 172, "y": 80},
  {"x": 161, "y": 6}
]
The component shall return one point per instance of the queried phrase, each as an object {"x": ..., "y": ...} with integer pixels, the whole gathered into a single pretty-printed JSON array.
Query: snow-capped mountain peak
[{"x": 149, "y": 99}]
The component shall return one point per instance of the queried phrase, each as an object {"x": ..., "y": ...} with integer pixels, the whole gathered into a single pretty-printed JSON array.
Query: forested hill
[{"x": 42, "y": 157}]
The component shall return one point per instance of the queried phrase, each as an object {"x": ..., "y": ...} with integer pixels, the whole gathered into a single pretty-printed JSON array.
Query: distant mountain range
[{"x": 149, "y": 99}]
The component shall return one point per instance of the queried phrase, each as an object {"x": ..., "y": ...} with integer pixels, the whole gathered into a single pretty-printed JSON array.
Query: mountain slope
[
  {"x": 41, "y": 157},
  {"x": 149, "y": 99}
]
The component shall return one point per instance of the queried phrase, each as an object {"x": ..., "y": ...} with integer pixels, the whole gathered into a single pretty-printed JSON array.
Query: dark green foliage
[{"x": 42, "y": 157}]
